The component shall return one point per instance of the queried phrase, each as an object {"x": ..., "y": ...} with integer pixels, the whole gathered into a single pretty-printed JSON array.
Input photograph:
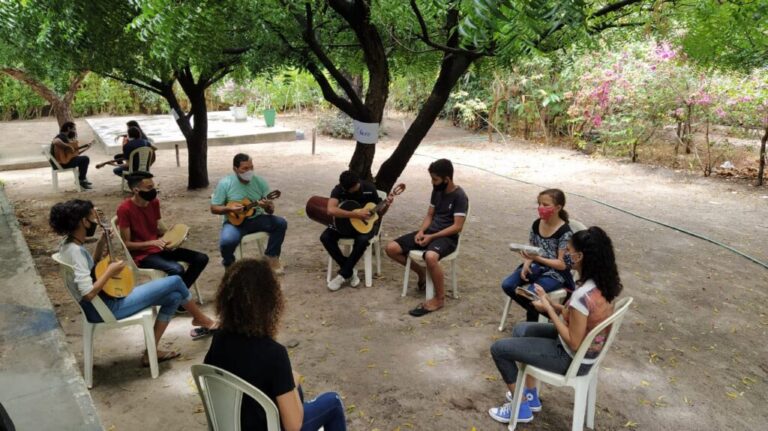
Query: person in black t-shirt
[
  {"x": 67, "y": 135},
  {"x": 135, "y": 141},
  {"x": 249, "y": 302},
  {"x": 350, "y": 187},
  {"x": 438, "y": 234}
]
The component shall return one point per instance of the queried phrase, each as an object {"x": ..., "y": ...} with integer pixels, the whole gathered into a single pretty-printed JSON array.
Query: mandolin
[
  {"x": 120, "y": 285},
  {"x": 237, "y": 218},
  {"x": 354, "y": 226}
]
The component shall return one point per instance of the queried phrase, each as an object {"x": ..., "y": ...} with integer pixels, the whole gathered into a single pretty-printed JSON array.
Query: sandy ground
[{"x": 691, "y": 353}]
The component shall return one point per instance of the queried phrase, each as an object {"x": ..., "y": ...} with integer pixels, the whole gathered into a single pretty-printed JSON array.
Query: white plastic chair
[
  {"x": 374, "y": 247},
  {"x": 144, "y": 156},
  {"x": 145, "y": 318},
  {"x": 558, "y": 295},
  {"x": 55, "y": 171},
  {"x": 417, "y": 256},
  {"x": 153, "y": 274},
  {"x": 585, "y": 387},
  {"x": 222, "y": 395},
  {"x": 259, "y": 238}
]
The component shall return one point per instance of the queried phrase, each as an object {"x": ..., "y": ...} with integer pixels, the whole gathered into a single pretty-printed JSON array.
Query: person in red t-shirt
[{"x": 138, "y": 218}]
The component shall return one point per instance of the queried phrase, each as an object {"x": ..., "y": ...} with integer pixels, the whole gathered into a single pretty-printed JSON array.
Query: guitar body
[
  {"x": 236, "y": 219},
  {"x": 344, "y": 225},
  {"x": 118, "y": 286},
  {"x": 64, "y": 156},
  {"x": 365, "y": 226}
]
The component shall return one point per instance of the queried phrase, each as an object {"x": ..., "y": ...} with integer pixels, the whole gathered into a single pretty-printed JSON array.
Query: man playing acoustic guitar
[
  {"x": 65, "y": 149},
  {"x": 139, "y": 221},
  {"x": 350, "y": 188},
  {"x": 231, "y": 198},
  {"x": 438, "y": 235}
]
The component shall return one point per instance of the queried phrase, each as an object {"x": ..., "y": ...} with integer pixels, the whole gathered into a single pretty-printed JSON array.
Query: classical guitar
[
  {"x": 120, "y": 285},
  {"x": 112, "y": 162},
  {"x": 354, "y": 226},
  {"x": 65, "y": 152},
  {"x": 237, "y": 218}
]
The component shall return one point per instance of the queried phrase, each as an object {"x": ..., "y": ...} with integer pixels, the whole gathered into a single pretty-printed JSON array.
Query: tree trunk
[
  {"x": 453, "y": 67},
  {"x": 61, "y": 106},
  {"x": 761, "y": 167},
  {"x": 197, "y": 135}
]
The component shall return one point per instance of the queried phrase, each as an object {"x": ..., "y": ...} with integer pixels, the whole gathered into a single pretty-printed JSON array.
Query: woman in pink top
[{"x": 551, "y": 346}]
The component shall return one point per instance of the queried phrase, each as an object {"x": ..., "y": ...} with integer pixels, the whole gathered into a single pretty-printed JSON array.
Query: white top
[{"x": 78, "y": 257}]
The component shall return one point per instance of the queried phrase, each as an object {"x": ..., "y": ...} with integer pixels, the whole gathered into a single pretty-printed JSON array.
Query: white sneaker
[
  {"x": 354, "y": 281},
  {"x": 336, "y": 283}
]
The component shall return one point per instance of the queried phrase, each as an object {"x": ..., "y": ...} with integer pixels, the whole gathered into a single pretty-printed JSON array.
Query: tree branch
[
  {"x": 149, "y": 87},
  {"x": 38, "y": 86},
  {"x": 426, "y": 39},
  {"x": 328, "y": 93}
]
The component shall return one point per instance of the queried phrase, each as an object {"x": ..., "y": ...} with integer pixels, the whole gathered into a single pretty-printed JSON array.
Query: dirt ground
[{"x": 691, "y": 353}]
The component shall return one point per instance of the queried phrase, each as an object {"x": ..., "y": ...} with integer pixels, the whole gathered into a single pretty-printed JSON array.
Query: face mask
[
  {"x": 546, "y": 212},
  {"x": 440, "y": 187},
  {"x": 90, "y": 230},
  {"x": 148, "y": 195},
  {"x": 245, "y": 176}
]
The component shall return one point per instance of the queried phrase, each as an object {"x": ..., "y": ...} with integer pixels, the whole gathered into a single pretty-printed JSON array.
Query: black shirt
[
  {"x": 132, "y": 145},
  {"x": 262, "y": 362},
  {"x": 447, "y": 206},
  {"x": 365, "y": 194}
]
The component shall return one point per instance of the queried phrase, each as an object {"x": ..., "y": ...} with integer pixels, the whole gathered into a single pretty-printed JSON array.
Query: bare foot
[
  {"x": 207, "y": 323},
  {"x": 434, "y": 304},
  {"x": 162, "y": 356}
]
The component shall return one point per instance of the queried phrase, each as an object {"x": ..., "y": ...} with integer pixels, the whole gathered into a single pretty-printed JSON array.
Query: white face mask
[{"x": 245, "y": 176}]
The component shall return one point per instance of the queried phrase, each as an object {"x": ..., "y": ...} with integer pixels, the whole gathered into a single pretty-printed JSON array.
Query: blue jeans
[
  {"x": 169, "y": 293},
  {"x": 168, "y": 262},
  {"x": 230, "y": 235},
  {"x": 534, "y": 344},
  {"x": 514, "y": 280},
  {"x": 325, "y": 411}
]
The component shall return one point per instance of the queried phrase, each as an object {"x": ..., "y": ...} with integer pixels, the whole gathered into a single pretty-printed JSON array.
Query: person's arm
[
  {"x": 557, "y": 264},
  {"x": 125, "y": 233},
  {"x": 161, "y": 227},
  {"x": 455, "y": 228},
  {"x": 62, "y": 145},
  {"x": 219, "y": 202},
  {"x": 334, "y": 210},
  {"x": 291, "y": 410},
  {"x": 573, "y": 333}
]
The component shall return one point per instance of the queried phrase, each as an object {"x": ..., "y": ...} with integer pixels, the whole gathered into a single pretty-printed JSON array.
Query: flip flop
[
  {"x": 167, "y": 356},
  {"x": 201, "y": 332},
  {"x": 420, "y": 311}
]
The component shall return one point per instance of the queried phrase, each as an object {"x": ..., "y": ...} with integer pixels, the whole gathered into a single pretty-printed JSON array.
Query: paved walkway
[{"x": 41, "y": 386}]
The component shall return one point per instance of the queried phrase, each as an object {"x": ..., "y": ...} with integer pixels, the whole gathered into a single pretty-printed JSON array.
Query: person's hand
[
  {"x": 527, "y": 256},
  {"x": 390, "y": 199},
  {"x": 363, "y": 215},
  {"x": 115, "y": 267},
  {"x": 542, "y": 305},
  {"x": 526, "y": 270},
  {"x": 425, "y": 240},
  {"x": 157, "y": 243},
  {"x": 236, "y": 208}
]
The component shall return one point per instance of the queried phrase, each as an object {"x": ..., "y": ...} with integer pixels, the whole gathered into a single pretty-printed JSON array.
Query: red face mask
[{"x": 546, "y": 212}]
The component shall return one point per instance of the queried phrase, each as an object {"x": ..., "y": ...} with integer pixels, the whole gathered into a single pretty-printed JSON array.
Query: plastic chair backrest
[
  {"x": 128, "y": 258},
  {"x": 67, "y": 271},
  {"x": 614, "y": 321},
  {"x": 144, "y": 156},
  {"x": 47, "y": 153},
  {"x": 576, "y": 226},
  {"x": 461, "y": 234},
  {"x": 222, "y": 394}
]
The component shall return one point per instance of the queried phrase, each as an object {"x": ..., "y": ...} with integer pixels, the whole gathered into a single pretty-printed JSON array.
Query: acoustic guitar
[
  {"x": 317, "y": 210},
  {"x": 64, "y": 153},
  {"x": 237, "y": 218},
  {"x": 119, "y": 285}
]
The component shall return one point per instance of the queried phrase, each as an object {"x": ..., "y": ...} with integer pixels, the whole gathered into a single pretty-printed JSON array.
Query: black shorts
[{"x": 443, "y": 246}]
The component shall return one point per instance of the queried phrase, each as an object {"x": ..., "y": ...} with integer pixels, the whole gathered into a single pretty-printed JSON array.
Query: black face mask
[
  {"x": 440, "y": 187},
  {"x": 148, "y": 195},
  {"x": 90, "y": 230}
]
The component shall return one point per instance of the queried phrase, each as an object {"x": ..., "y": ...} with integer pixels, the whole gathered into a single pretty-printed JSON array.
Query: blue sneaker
[
  {"x": 503, "y": 414},
  {"x": 532, "y": 395}
]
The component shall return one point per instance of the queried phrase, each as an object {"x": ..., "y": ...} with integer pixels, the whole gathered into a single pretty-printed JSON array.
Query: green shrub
[{"x": 336, "y": 124}]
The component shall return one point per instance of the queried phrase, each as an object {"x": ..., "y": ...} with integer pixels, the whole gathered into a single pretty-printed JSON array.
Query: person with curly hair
[
  {"x": 551, "y": 346},
  {"x": 250, "y": 303},
  {"x": 76, "y": 220}
]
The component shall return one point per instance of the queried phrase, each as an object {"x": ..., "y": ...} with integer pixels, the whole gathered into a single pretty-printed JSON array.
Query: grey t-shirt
[{"x": 447, "y": 206}]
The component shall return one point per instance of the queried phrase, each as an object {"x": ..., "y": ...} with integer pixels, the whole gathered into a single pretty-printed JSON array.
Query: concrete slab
[
  {"x": 41, "y": 386},
  {"x": 163, "y": 130}
]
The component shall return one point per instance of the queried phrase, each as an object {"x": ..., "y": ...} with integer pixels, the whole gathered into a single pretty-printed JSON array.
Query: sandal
[
  {"x": 165, "y": 356},
  {"x": 420, "y": 311},
  {"x": 201, "y": 332}
]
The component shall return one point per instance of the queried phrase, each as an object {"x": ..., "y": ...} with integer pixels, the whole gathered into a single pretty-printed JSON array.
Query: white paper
[
  {"x": 174, "y": 114},
  {"x": 366, "y": 133}
]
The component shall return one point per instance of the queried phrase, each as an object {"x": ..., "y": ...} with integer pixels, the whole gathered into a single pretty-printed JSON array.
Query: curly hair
[
  {"x": 599, "y": 261},
  {"x": 249, "y": 300},
  {"x": 65, "y": 216}
]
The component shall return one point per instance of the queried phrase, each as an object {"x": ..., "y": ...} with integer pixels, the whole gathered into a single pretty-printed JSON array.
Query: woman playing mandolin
[{"x": 77, "y": 220}]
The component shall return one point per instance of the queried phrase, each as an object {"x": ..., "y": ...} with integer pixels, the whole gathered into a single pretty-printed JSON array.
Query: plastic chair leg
[
  {"x": 88, "y": 334},
  {"x": 517, "y": 397},
  {"x": 505, "y": 313},
  {"x": 76, "y": 174},
  {"x": 430, "y": 286},
  {"x": 377, "y": 250},
  {"x": 197, "y": 292},
  {"x": 592, "y": 401},
  {"x": 368, "y": 267},
  {"x": 406, "y": 275},
  {"x": 330, "y": 268},
  {"x": 579, "y": 406},
  {"x": 149, "y": 339}
]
